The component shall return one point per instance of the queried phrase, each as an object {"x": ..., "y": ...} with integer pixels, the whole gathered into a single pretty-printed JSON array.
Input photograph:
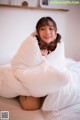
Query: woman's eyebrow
[{"x": 50, "y": 25}]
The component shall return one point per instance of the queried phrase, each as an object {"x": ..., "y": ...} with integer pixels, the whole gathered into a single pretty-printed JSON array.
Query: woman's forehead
[{"x": 47, "y": 23}]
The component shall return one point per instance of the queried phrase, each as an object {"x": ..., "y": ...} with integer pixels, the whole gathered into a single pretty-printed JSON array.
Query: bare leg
[{"x": 30, "y": 103}]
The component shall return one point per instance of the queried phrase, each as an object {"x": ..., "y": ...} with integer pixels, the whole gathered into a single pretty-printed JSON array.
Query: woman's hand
[
  {"x": 44, "y": 52},
  {"x": 34, "y": 34}
]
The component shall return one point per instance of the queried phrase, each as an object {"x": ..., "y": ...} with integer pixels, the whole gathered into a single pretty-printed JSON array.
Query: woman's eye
[
  {"x": 51, "y": 28},
  {"x": 42, "y": 28}
]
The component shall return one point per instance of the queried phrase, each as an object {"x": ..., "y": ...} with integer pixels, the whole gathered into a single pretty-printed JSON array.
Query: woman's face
[{"x": 47, "y": 33}]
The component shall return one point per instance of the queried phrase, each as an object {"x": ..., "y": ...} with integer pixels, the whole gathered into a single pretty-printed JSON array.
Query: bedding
[
  {"x": 65, "y": 103},
  {"x": 62, "y": 98},
  {"x": 68, "y": 113},
  {"x": 68, "y": 95},
  {"x": 29, "y": 69},
  {"x": 66, "y": 91}
]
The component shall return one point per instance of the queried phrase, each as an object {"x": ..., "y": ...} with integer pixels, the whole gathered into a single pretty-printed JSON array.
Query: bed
[
  {"x": 16, "y": 112},
  {"x": 61, "y": 105}
]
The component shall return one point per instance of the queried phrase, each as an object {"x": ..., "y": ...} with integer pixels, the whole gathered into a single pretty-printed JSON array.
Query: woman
[{"x": 47, "y": 36}]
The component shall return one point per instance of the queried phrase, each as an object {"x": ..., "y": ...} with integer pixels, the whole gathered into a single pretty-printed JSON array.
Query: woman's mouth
[{"x": 48, "y": 37}]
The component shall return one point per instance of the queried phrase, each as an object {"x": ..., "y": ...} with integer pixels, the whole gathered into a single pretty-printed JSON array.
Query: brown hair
[{"x": 44, "y": 21}]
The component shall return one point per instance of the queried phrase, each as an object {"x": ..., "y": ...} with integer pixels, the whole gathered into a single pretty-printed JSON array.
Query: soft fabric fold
[{"x": 37, "y": 75}]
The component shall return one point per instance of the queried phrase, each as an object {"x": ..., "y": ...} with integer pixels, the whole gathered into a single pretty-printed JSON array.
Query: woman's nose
[{"x": 47, "y": 31}]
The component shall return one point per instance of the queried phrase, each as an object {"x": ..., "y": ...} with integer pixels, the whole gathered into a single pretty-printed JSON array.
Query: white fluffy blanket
[
  {"x": 32, "y": 74},
  {"x": 64, "y": 104}
]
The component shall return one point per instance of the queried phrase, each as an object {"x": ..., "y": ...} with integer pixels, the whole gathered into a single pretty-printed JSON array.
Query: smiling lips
[{"x": 47, "y": 37}]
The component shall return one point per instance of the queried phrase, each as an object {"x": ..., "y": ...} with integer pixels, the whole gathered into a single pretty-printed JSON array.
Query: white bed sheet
[
  {"x": 71, "y": 113},
  {"x": 16, "y": 112},
  {"x": 68, "y": 113}
]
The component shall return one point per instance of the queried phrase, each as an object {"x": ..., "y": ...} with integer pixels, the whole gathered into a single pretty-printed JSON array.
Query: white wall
[
  {"x": 72, "y": 38},
  {"x": 17, "y": 24}
]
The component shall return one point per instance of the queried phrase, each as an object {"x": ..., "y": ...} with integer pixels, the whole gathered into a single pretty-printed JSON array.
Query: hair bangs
[{"x": 46, "y": 21}]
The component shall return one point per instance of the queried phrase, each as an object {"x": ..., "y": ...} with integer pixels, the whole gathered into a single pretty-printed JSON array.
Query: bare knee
[{"x": 30, "y": 103}]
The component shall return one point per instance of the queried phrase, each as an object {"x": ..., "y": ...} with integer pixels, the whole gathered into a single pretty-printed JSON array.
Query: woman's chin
[{"x": 47, "y": 41}]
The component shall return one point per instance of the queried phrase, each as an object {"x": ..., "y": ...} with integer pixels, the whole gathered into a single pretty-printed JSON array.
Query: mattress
[{"x": 16, "y": 112}]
